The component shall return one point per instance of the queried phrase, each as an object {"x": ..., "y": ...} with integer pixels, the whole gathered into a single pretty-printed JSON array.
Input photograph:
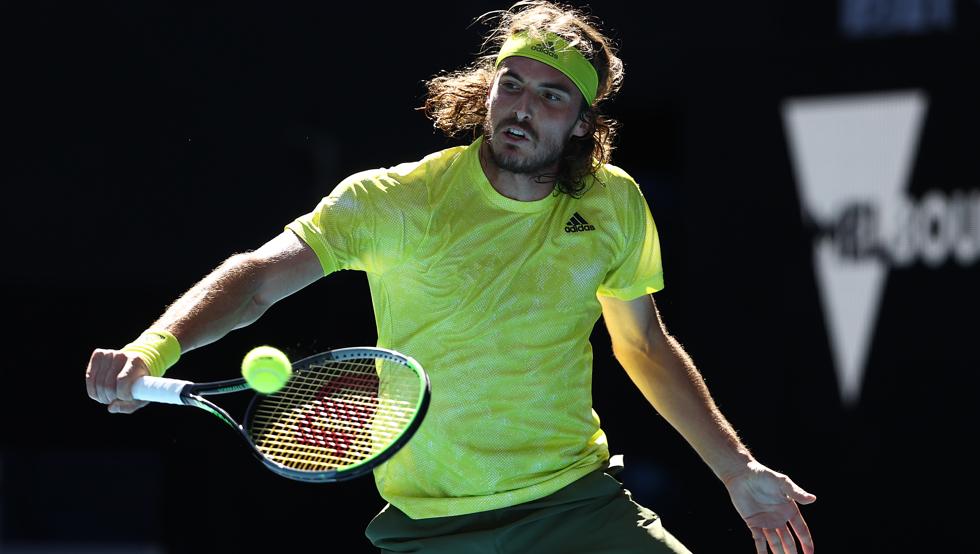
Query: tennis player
[{"x": 490, "y": 263}]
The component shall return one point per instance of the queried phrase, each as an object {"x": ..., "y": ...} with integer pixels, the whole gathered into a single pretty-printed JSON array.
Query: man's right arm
[{"x": 234, "y": 295}]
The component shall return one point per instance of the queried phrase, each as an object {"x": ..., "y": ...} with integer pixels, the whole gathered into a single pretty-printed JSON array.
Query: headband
[{"x": 556, "y": 52}]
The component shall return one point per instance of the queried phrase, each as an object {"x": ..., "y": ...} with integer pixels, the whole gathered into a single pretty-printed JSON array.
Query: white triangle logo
[{"x": 851, "y": 151}]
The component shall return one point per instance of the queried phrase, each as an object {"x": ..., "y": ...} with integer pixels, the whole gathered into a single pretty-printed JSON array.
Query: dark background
[{"x": 144, "y": 143}]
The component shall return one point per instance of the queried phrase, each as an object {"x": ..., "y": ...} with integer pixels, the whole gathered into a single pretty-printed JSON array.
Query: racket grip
[{"x": 159, "y": 389}]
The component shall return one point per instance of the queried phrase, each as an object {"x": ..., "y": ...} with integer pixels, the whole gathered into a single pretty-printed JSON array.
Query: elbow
[
  {"x": 652, "y": 351},
  {"x": 253, "y": 311},
  {"x": 248, "y": 272},
  {"x": 636, "y": 355}
]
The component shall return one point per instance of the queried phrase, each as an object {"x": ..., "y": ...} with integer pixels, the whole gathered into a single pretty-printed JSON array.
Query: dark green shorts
[{"x": 592, "y": 515}]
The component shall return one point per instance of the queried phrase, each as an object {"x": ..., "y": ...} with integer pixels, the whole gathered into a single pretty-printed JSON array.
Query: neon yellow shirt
[{"x": 496, "y": 298}]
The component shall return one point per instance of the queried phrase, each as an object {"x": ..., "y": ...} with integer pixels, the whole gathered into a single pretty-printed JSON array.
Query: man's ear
[{"x": 582, "y": 127}]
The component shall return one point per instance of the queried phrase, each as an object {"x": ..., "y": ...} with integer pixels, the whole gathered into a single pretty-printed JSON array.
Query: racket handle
[{"x": 159, "y": 389}]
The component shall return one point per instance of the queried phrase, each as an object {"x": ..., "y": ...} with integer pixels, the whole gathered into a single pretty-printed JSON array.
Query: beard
[{"x": 548, "y": 152}]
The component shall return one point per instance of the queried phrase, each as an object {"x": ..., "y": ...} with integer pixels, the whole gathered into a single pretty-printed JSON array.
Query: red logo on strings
[{"x": 342, "y": 408}]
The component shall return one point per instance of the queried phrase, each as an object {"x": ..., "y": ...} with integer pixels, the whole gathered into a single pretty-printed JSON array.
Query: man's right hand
[{"x": 109, "y": 379}]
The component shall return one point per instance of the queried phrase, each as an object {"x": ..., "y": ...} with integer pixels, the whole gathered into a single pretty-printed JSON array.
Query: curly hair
[{"x": 455, "y": 101}]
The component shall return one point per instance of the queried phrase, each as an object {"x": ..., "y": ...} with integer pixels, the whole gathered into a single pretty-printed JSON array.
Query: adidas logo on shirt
[{"x": 578, "y": 223}]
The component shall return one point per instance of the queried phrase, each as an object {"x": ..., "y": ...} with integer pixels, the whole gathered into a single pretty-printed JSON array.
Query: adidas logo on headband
[{"x": 545, "y": 48}]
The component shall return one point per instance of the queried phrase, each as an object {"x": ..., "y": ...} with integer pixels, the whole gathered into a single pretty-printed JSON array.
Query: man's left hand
[{"x": 767, "y": 501}]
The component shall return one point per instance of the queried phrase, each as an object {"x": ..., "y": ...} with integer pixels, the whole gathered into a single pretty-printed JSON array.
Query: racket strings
[{"x": 336, "y": 414}]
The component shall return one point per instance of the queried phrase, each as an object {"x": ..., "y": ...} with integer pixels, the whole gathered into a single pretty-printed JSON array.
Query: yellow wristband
[{"x": 158, "y": 348}]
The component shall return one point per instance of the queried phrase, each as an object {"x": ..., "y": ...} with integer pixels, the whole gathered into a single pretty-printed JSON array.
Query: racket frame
[
  {"x": 192, "y": 394},
  {"x": 368, "y": 464}
]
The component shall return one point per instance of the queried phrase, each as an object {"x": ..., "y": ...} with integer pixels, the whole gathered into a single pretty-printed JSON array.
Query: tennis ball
[{"x": 266, "y": 369}]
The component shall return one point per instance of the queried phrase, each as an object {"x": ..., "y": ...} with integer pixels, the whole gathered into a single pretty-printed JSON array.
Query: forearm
[
  {"x": 221, "y": 302},
  {"x": 667, "y": 377}
]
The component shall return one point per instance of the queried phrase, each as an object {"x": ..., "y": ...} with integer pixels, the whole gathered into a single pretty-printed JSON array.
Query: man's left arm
[{"x": 667, "y": 377}]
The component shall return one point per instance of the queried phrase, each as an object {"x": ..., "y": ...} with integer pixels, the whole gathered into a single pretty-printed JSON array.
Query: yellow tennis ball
[{"x": 266, "y": 369}]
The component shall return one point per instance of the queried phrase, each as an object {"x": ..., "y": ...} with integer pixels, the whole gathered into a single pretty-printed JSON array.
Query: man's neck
[{"x": 516, "y": 186}]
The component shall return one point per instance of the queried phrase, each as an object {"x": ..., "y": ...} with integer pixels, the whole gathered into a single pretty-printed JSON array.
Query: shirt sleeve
[
  {"x": 638, "y": 271},
  {"x": 358, "y": 226}
]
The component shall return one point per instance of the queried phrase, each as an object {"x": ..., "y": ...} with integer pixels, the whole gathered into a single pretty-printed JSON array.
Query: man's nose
[{"x": 522, "y": 109}]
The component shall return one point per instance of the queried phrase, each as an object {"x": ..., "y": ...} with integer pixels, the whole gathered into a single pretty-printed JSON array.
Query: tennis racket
[{"x": 341, "y": 414}]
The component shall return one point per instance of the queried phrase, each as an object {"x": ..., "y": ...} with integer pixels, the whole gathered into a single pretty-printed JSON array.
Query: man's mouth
[{"x": 516, "y": 133}]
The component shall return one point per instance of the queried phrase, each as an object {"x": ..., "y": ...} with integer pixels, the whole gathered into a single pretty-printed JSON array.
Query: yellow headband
[{"x": 556, "y": 52}]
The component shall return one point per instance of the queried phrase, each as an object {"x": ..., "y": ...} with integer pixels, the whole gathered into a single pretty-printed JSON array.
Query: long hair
[{"x": 456, "y": 101}]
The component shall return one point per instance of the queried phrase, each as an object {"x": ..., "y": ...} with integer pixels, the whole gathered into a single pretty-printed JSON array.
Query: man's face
[{"x": 532, "y": 112}]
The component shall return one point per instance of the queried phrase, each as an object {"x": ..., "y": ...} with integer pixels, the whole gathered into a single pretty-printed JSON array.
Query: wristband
[{"x": 158, "y": 348}]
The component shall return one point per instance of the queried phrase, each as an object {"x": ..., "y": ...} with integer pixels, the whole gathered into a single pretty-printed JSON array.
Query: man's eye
[{"x": 552, "y": 96}]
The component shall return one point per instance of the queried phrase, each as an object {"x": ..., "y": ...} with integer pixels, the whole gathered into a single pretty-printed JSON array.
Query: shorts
[{"x": 593, "y": 515}]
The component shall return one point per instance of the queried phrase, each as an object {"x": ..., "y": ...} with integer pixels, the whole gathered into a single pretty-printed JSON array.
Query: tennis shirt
[{"x": 496, "y": 298}]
